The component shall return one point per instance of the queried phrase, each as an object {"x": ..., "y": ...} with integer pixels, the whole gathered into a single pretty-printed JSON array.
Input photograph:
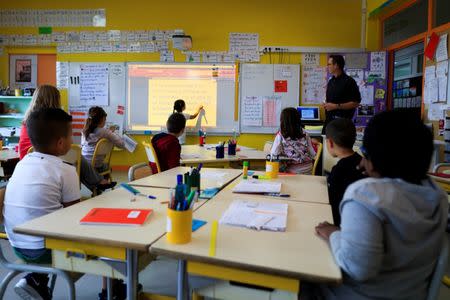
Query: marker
[
  {"x": 261, "y": 177},
  {"x": 277, "y": 195},
  {"x": 135, "y": 191},
  {"x": 200, "y": 165}
]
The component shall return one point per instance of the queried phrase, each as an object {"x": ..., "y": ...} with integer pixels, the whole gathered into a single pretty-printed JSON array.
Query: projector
[{"x": 182, "y": 42}]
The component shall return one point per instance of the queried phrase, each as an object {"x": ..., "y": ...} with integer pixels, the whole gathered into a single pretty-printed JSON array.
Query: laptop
[{"x": 309, "y": 113}]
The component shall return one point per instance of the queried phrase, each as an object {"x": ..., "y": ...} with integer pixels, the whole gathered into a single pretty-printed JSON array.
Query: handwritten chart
[{"x": 94, "y": 87}]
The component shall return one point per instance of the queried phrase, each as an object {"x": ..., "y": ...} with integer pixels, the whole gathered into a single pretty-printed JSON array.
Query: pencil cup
[
  {"x": 272, "y": 168},
  {"x": 192, "y": 181},
  {"x": 220, "y": 151},
  {"x": 179, "y": 226},
  {"x": 18, "y": 92},
  {"x": 232, "y": 149}
]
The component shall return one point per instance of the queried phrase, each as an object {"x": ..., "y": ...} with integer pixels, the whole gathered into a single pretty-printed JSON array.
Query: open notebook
[
  {"x": 256, "y": 215},
  {"x": 251, "y": 186}
]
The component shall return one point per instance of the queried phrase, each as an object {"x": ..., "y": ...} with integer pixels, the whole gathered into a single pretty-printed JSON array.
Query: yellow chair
[
  {"x": 317, "y": 158},
  {"x": 30, "y": 150},
  {"x": 151, "y": 155},
  {"x": 2, "y": 199},
  {"x": 267, "y": 146},
  {"x": 139, "y": 171},
  {"x": 102, "y": 153}
]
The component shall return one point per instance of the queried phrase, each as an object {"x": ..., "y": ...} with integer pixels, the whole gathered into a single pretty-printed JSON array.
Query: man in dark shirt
[
  {"x": 167, "y": 146},
  {"x": 341, "y": 135},
  {"x": 343, "y": 95}
]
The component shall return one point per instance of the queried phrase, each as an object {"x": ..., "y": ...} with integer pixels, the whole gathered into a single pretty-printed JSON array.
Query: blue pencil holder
[
  {"x": 220, "y": 151},
  {"x": 232, "y": 149}
]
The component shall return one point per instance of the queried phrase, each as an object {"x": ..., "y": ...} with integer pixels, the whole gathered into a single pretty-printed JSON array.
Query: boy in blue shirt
[{"x": 41, "y": 184}]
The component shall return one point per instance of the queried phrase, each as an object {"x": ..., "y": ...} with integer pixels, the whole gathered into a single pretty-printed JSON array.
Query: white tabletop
[
  {"x": 297, "y": 253},
  {"x": 209, "y": 178}
]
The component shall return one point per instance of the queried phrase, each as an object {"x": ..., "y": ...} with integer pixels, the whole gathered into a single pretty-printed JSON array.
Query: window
[
  {"x": 407, "y": 23},
  {"x": 441, "y": 12}
]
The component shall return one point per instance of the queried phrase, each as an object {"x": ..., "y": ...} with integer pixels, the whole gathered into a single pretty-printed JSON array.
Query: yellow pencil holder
[
  {"x": 18, "y": 92},
  {"x": 179, "y": 226},
  {"x": 272, "y": 168}
]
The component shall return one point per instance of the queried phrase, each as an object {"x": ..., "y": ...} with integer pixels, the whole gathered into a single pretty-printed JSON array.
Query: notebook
[
  {"x": 208, "y": 193},
  {"x": 116, "y": 216},
  {"x": 255, "y": 186},
  {"x": 256, "y": 215}
]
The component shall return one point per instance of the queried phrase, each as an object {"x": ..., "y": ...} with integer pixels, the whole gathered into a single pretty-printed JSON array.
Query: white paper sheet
[
  {"x": 367, "y": 94},
  {"x": 166, "y": 56},
  {"x": 243, "y": 42},
  {"x": 310, "y": 59},
  {"x": 62, "y": 74},
  {"x": 436, "y": 111},
  {"x": 314, "y": 81},
  {"x": 441, "y": 50},
  {"x": 378, "y": 62},
  {"x": 256, "y": 215},
  {"x": 252, "y": 110},
  {"x": 94, "y": 84},
  {"x": 130, "y": 144},
  {"x": 257, "y": 187},
  {"x": 193, "y": 57}
]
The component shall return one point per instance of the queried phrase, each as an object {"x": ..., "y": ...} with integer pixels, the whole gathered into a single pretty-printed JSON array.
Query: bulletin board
[
  {"x": 106, "y": 83},
  {"x": 265, "y": 89}
]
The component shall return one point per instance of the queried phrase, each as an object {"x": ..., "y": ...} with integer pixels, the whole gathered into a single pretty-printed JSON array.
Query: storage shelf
[
  {"x": 15, "y": 116},
  {"x": 17, "y": 98}
]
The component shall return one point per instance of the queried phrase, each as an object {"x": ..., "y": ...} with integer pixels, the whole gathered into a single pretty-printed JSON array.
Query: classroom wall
[
  {"x": 320, "y": 23},
  {"x": 373, "y": 28}
]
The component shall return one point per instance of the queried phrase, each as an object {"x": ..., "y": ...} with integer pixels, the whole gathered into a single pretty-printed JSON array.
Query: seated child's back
[
  {"x": 293, "y": 143},
  {"x": 167, "y": 146}
]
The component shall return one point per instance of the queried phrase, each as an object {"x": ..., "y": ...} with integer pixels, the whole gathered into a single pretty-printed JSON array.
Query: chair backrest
[
  {"x": 139, "y": 171},
  {"x": 439, "y": 271},
  {"x": 73, "y": 157},
  {"x": 317, "y": 158},
  {"x": 30, "y": 150},
  {"x": 102, "y": 152},
  {"x": 151, "y": 154},
  {"x": 2, "y": 200},
  {"x": 267, "y": 146}
]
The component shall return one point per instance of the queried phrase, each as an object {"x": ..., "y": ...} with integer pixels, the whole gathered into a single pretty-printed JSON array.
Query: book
[
  {"x": 250, "y": 186},
  {"x": 208, "y": 193},
  {"x": 116, "y": 216},
  {"x": 130, "y": 144},
  {"x": 256, "y": 215}
]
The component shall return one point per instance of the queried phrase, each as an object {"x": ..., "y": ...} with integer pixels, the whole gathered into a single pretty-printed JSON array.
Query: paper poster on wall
[
  {"x": 271, "y": 111},
  {"x": 357, "y": 74},
  {"x": 314, "y": 81},
  {"x": 252, "y": 110},
  {"x": 192, "y": 56},
  {"x": 436, "y": 111},
  {"x": 239, "y": 41},
  {"x": 23, "y": 71},
  {"x": 94, "y": 84},
  {"x": 356, "y": 60},
  {"x": 62, "y": 74},
  {"x": 442, "y": 78},
  {"x": 166, "y": 56},
  {"x": 281, "y": 86},
  {"x": 378, "y": 62},
  {"x": 310, "y": 59},
  {"x": 367, "y": 94},
  {"x": 441, "y": 50}
]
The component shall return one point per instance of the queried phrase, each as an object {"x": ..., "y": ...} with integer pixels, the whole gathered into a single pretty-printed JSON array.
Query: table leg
[
  {"x": 182, "y": 284},
  {"x": 132, "y": 272}
]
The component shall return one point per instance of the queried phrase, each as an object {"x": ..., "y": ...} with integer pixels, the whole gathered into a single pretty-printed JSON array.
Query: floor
[{"x": 158, "y": 278}]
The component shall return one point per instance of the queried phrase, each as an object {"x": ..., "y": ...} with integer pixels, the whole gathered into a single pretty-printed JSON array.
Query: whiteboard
[
  {"x": 116, "y": 101},
  {"x": 144, "y": 80},
  {"x": 265, "y": 89}
]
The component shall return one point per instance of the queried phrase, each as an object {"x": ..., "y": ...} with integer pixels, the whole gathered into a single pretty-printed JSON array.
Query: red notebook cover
[{"x": 116, "y": 216}]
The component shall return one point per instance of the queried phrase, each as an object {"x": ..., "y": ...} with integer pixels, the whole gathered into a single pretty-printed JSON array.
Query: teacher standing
[{"x": 343, "y": 95}]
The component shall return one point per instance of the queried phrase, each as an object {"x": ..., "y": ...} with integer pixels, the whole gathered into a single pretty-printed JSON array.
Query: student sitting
[
  {"x": 47, "y": 96},
  {"x": 393, "y": 223},
  {"x": 167, "y": 146},
  {"x": 42, "y": 183},
  {"x": 93, "y": 131},
  {"x": 341, "y": 135},
  {"x": 292, "y": 142}
]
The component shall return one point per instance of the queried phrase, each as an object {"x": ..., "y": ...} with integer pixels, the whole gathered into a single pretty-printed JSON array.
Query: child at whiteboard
[
  {"x": 292, "y": 142},
  {"x": 178, "y": 107},
  {"x": 93, "y": 131}
]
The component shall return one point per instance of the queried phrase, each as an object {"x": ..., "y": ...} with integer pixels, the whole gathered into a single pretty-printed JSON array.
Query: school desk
[
  {"x": 195, "y": 154},
  {"x": 209, "y": 178},
  {"x": 104, "y": 246},
  {"x": 301, "y": 188},
  {"x": 8, "y": 154},
  {"x": 277, "y": 260}
]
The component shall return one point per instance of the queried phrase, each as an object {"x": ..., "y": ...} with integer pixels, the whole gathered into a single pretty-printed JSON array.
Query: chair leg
[
  {"x": 70, "y": 284},
  {"x": 109, "y": 288},
  {"x": 6, "y": 281},
  {"x": 52, "y": 283}
]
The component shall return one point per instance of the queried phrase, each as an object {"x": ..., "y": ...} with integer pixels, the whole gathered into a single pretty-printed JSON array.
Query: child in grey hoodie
[{"x": 393, "y": 223}]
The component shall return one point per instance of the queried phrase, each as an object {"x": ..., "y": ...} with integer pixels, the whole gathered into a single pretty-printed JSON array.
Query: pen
[
  {"x": 200, "y": 165},
  {"x": 277, "y": 195},
  {"x": 135, "y": 192}
]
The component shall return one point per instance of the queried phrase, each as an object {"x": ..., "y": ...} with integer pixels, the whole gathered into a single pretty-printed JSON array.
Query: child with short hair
[
  {"x": 41, "y": 183},
  {"x": 179, "y": 107},
  {"x": 93, "y": 131},
  {"x": 393, "y": 223},
  {"x": 167, "y": 146},
  {"x": 341, "y": 135},
  {"x": 294, "y": 143}
]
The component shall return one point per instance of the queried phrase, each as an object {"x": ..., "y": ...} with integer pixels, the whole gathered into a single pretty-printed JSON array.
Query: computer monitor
[{"x": 309, "y": 113}]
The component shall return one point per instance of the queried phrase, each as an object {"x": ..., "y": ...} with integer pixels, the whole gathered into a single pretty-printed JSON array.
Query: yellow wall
[
  {"x": 321, "y": 23},
  {"x": 373, "y": 29}
]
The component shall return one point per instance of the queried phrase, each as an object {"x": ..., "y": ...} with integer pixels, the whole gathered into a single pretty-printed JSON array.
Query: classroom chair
[
  {"x": 151, "y": 155},
  {"x": 103, "y": 151},
  {"x": 267, "y": 146},
  {"x": 2, "y": 196},
  {"x": 439, "y": 271},
  {"x": 139, "y": 171},
  {"x": 317, "y": 158},
  {"x": 20, "y": 266}
]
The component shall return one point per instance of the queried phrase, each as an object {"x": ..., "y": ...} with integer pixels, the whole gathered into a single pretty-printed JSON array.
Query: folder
[{"x": 116, "y": 216}]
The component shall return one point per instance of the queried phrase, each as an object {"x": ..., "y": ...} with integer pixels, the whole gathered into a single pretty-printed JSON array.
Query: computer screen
[{"x": 309, "y": 112}]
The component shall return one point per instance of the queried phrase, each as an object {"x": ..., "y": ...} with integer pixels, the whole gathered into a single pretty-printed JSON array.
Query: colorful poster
[{"x": 314, "y": 82}]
